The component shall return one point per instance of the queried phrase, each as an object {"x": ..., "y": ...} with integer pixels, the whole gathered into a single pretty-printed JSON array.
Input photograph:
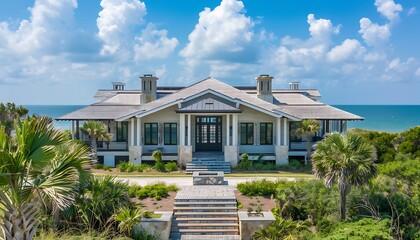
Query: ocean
[{"x": 389, "y": 118}]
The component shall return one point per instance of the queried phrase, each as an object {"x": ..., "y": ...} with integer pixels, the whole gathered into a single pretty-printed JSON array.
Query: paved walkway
[{"x": 188, "y": 181}]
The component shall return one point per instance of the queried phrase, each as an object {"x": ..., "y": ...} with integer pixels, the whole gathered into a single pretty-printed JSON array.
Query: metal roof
[
  {"x": 208, "y": 105},
  {"x": 320, "y": 112}
]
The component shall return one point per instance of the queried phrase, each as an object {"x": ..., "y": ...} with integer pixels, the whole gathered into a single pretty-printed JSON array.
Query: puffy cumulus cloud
[
  {"x": 116, "y": 20},
  {"x": 42, "y": 31},
  {"x": 321, "y": 29},
  {"x": 224, "y": 33},
  {"x": 349, "y": 50},
  {"x": 374, "y": 34},
  {"x": 153, "y": 43},
  {"x": 117, "y": 23},
  {"x": 389, "y": 9}
]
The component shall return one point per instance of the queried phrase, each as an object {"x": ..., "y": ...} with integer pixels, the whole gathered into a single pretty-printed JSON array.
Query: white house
[{"x": 208, "y": 116}]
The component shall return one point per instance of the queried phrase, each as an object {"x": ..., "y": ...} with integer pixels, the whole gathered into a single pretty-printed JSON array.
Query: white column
[
  {"x": 189, "y": 129},
  {"x": 132, "y": 132},
  {"x": 138, "y": 131},
  {"x": 285, "y": 143},
  {"x": 278, "y": 126},
  {"x": 235, "y": 130},
  {"x": 182, "y": 129},
  {"x": 227, "y": 129}
]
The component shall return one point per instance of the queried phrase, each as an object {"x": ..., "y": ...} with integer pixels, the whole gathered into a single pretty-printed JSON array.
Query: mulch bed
[
  {"x": 266, "y": 202},
  {"x": 151, "y": 204}
]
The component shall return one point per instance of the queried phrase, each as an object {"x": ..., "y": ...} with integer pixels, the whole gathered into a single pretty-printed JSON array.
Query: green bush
[
  {"x": 407, "y": 170},
  {"x": 131, "y": 167},
  {"x": 107, "y": 168},
  {"x": 171, "y": 167},
  {"x": 156, "y": 190},
  {"x": 143, "y": 168},
  {"x": 245, "y": 164},
  {"x": 123, "y": 166},
  {"x": 257, "y": 188},
  {"x": 159, "y": 166},
  {"x": 366, "y": 228},
  {"x": 98, "y": 166}
]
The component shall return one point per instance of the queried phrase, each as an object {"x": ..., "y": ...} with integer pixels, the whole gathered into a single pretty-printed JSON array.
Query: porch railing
[{"x": 111, "y": 146}]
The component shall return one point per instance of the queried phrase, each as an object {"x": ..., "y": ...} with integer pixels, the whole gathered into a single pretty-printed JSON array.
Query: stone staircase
[
  {"x": 205, "y": 212},
  {"x": 207, "y": 164}
]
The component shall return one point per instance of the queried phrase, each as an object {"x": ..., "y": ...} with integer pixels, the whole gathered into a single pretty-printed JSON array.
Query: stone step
[
  {"x": 205, "y": 213},
  {"x": 210, "y": 219},
  {"x": 203, "y": 230},
  {"x": 210, "y": 237},
  {"x": 208, "y": 163},
  {"x": 205, "y": 203},
  {"x": 205, "y": 208},
  {"x": 207, "y": 224}
]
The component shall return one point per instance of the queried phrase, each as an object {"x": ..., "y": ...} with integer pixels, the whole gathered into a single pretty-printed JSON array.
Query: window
[
  {"x": 150, "y": 133},
  {"x": 247, "y": 133},
  {"x": 266, "y": 133},
  {"x": 122, "y": 131},
  {"x": 170, "y": 133}
]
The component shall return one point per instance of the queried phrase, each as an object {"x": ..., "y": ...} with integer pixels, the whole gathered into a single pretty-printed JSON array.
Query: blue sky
[{"x": 354, "y": 52}]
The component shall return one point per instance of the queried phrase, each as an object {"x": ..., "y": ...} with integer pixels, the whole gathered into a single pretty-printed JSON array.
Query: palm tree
[
  {"x": 307, "y": 128},
  {"x": 35, "y": 175},
  {"x": 128, "y": 218},
  {"x": 346, "y": 159},
  {"x": 8, "y": 113},
  {"x": 96, "y": 130}
]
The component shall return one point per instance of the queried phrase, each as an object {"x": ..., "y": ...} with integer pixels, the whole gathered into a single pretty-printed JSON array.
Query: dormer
[{"x": 118, "y": 86}]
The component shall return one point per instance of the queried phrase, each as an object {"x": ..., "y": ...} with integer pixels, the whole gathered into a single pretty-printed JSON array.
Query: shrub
[
  {"x": 143, "y": 168},
  {"x": 245, "y": 164},
  {"x": 156, "y": 190},
  {"x": 123, "y": 166},
  {"x": 264, "y": 166},
  {"x": 257, "y": 188},
  {"x": 160, "y": 166},
  {"x": 98, "y": 166},
  {"x": 366, "y": 228},
  {"x": 131, "y": 167},
  {"x": 107, "y": 168},
  {"x": 171, "y": 167}
]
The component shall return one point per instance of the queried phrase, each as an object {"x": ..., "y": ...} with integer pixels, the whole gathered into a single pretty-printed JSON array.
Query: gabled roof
[
  {"x": 293, "y": 104},
  {"x": 205, "y": 86},
  {"x": 208, "y": 105}
]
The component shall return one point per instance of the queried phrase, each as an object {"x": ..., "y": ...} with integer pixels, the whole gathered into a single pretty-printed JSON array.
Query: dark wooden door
[{"x": 208, "y": 132}]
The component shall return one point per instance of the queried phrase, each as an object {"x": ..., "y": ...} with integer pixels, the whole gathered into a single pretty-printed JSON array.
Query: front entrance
[{"x": 208, "y": 133}]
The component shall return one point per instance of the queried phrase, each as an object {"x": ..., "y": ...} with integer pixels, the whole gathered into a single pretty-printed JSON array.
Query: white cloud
[
  {"x": 374, "y": 34},
  {"x": 153, "y": 43},
  {"x": 220, "y": 33},
  {"x": 389, "y": 9},
  {"x": 321, "y": 29},
  {"x": 349, "y": 50},
  {"x": 116, "y": 21},
  {"x": 42, "y": 31}
]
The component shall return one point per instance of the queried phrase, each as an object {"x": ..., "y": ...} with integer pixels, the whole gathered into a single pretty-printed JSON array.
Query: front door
[{"x": 208, "y": 134}]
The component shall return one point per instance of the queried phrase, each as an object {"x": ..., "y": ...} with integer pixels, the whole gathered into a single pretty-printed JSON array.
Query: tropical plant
[
  {"x": 157, "y": 156},
  {"x": 39, "y": 173},
  {"x": 98, "y": 201},
  {"x": 307, "y": 128},
  {"x": 346, "y": 159},
  {"x": 9, "y": 113},
  {"x": 96, "y": 130},
  {"x": 284, "y": 229},
  {"x": 128, "y": 217}
]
